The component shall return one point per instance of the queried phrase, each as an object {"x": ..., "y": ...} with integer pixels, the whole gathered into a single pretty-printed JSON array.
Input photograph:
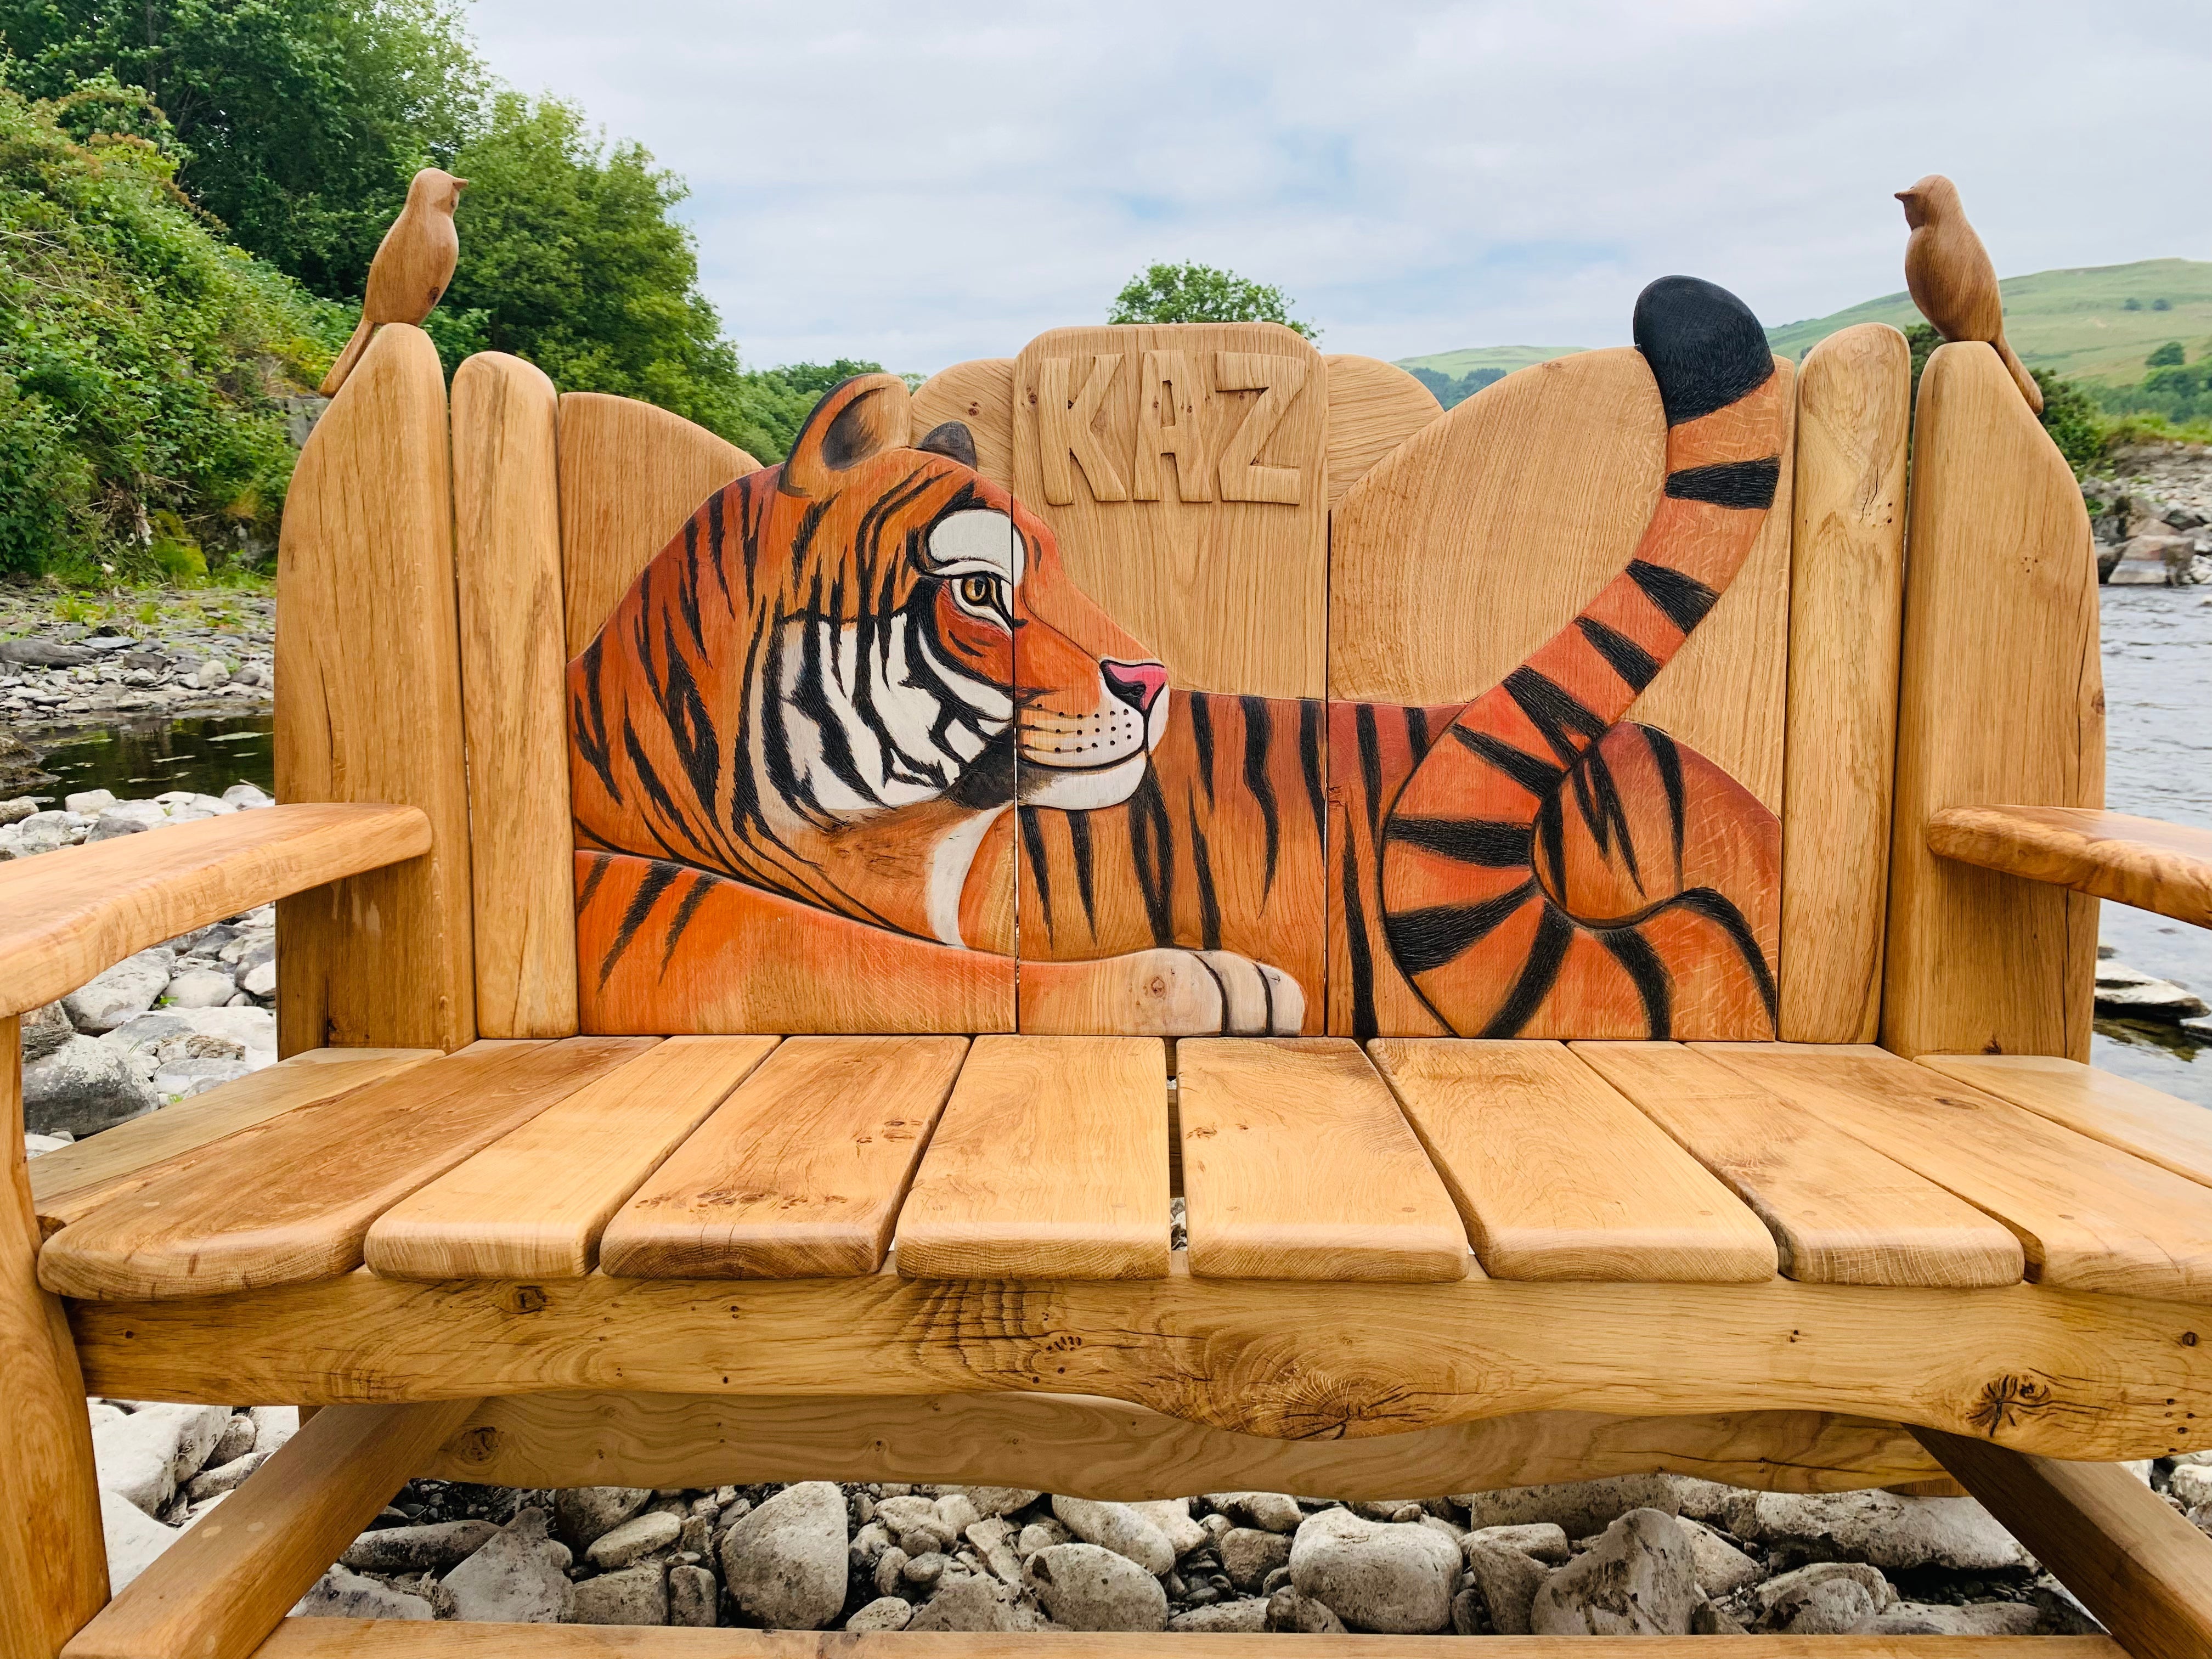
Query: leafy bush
[
  {"x": 1193, "y": 293},
  {"x": 1453, "y": 390},
  {"x": 2169, "y": 356},
  {"x": 2072, "y": 420}
]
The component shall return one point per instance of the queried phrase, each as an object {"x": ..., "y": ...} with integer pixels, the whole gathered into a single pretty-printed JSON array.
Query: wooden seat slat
[
  {"x": 1050, "y": 1161},
  {"x": 289, "y": 1200},
  {"x": 2176, "y": 1134},
  {"x": 71, "y": 1183},
  {"x": 1298, "y": 1163},
  {"x": 533, "y": 1204},
  {"x": 799, "y": 1173},
  {"x": 2089, "y": 1216},
  {"x": 1559, "y": 1176},
  {"x": 1843, "y": 1214}
]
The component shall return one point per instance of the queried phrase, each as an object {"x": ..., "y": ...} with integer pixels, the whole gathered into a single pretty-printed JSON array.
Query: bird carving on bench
[
  {"x": 413, "y": 265},
  {"x": 1951, "y": 280}
]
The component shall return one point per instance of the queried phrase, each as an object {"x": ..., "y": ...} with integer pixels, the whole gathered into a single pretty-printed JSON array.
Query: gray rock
[
  {"x": 1711, "y": 1619},
  {"x": 1039, "y": 1535},
  {"x": 1722, "y": 1568},
  {"x": 1086, "y": 1587},
  {"x": 1639, "y": 1579},
  {"x": 1826, "y": 1598},
  {"x": 581, "y": 1514},
  {"x": 145, "y": 1458},
  {"x": 1172, "y": 1516},
  {"x": 260, "y": 979},
  {"x": 993, "y": 1538},
  {"x": 884, "y": 1613},
  {"x": 339, "y": 1594},
  {"x": 135, "y": 1539},
  {"x": 44, "y": 1029},
  {"x": 39, "y": 1146},
  {"x": 122, "y": 993},
  {"x": 1508, "y": 1578},
  {"x": 1223, "y": 1618},
  {"x": 1577, "y": 1508},
  {"x": 83, "y": 1087},
  {"x": 1881, "y": 1529},
  {"x": 129, "y": 818},
  {"x": 922, "y": 1571},
  {"x": 2192, "y": 1484},
  {"x": 201, "y": 987},
  {"x": 634, "y": 1539},
  {"x": 273, "y": 1425},
  {"x": 1542, "y": 1539},
  {"x": 784, "y": 1563},
  {"x": 1393, "y": 1579},
  {"x": 246, "y": 797},
  {"x": 1248, "y": 1555},
  {"x": 634, "y": 1596},
  {"x": 515, "y": 1579},
  {"x": 1290, "y": 1613},
  {"x": 1000, "y": 1500},
  {"x": 220, "y": 1478},
  {"x": 973, "y": 1603},
  {"x": 956, "y": 1513},
  {"x": 694, "y": 1596},
  {"x": 890, "y": 1576},
  {"x": 435, "y": 1548},
  {"x": 1118, "y": 1527},
  {"x": 2130, "y": 992},
  {"x": 1974, "y": 1618},
  {"x": 235, "y": 1440},
  {"x": 88, "y": 803},
  {"x": 15, "y": 810},
  {"x": 1270, "y": 1511}
]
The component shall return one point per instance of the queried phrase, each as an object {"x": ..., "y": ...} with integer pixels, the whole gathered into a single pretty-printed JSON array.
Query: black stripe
[
  {"x": 1551, "y": 837},
  {"x": 1748, "y": 486},
  {"x": 1201, "y": 733},
  {"x": 1209, "y": 904},
  {"x": 1424, "y": 941},
  {"x": 1716, "y": 909},
  {"x": 657, "y": 881},
  {"x": 1079, "y": 843},
  {"x": 1355, "y": 939},
  {"x": 591, "y": 882},
  {"x": 655, "y": 791},
  {"x": 1033, "y": 846},
  {"x": 1417, "y": 731},
  {"x": 1259, "y": 732},
  {"x": 1668, "y": 760},
  {"x": 1536, "y": 775},
  {"x": 1485, "y": 841},
  {"x": 1682, "y": 599},
  {"x": 1647, "y": 973},
  {"x": 1152, "y": 846},
  {"x": 1370, "y": 767},
  {"x": 714, "y": 532},
  {"x": 1311, "y": 717},
  {"x": 701, "y": 886},
  {"x": 1557, "y": 714},
  {"x": 1554, "y": 932},
  {"x": 1635, "y": 665},
  {"x": 809, "y": 695},
  {"x": 589, "y": 722}
]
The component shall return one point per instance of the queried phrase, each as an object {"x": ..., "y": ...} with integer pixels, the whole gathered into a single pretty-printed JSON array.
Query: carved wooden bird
[
  {"x": 1951, "y": 277},
  {"x": 413, "y": 263}
]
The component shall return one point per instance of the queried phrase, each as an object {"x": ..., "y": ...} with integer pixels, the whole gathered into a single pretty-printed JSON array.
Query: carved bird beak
[{"x": 460, "y": 183}]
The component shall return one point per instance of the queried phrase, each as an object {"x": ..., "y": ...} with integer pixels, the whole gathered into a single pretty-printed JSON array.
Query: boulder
[
  {"x": 339, "y": 1594},
  {"x": 1826, "y": 1598},
  {"x": 784, "y": 1563},
  {"x": 122, "y": 993},
  {"x": 1973, "y": 1619},
  {"x": 694, "y": 1596},
  {"x": 884, "y": 1613},
  {"x": 1223, "y": 1618},
  {"x": 1000, "y": 1500},
  {"x": 220, "y": 1478},
  {"x": 1172, "y": 1516},
  {"x": 634, "y": 1539},
  {"x": 1508, "y": 1578},
  {"x": 1291, "y": 1613},
  {"x": 128, "y": 817},
  {"x": 438, "y": 1547},
  {"x": 634, "y": 1596},
  {"x": 516, "y": 1578},
  {"x": 1391, "y": 1577},
  {"x": 1722, "y": 1568},
  {"x": 1639, "y": 1579},
  {"x": 1270, "y": 1511},
  {"x": 134, "y": 1538},
  {"x": 1118, "y": 1527},
  {"x": 581, "y": 1514},
  {"x": 1881, "y": 1529},
  {"x": 972, "y": 1603},
  {"x": 1578, "y": 1508},
  {"x": 236, "y": 1440},
  {"x": 83, "y": 1087},
  {"x": 1086, "y": 1587},
  {"x": 1542, "y": 1539},
  {"x": 44, "y": 1030},
  {"x": 201, "y": 987},
  {"x": 1248, "y": 1555},
  {"x": 145, "y": 1458}
]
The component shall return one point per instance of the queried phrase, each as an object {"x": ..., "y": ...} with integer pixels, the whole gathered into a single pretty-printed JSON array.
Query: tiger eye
[{"x": 977, "y": 590}]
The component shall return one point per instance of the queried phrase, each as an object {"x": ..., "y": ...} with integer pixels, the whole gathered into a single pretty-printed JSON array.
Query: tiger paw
[{"x": 1163, "y": 993}]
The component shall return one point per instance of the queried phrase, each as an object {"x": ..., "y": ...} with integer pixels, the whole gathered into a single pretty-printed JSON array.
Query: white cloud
[{"x": 922, "y": 183}]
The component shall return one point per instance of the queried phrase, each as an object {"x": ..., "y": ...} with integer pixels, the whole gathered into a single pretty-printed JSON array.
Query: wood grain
[
  {"x": 1951, "y": 279},
  {"x": 1218, "y": 564},
  {"x": 83, "y": 909},
  {"x": 289, "y": 1200},
  {"x": 1297, "y": 1164},
  {"x": 223, "y": 1586},
  {"x": 1846, "y": 613},
  {"x": 2176, "y": 1134},
  {"x": 1050, "y": 1161},
  {"x": 2088, "y": 1215},
  {"x": 53, "y": 1565},
  {"x": 507, "y": 544},
  {"x": 1116, "y": 1453},
  {"x": 2062, "y": 1372},
  {"x": 2001, "y": 699},
  {"x": 2165, "y": 867},
  {"x": 979, "y": 395},
  {"x": 69, "y": 1184},
  {"x": 412, "y": 266},
  {"x": 534, "y": 1203},
  {"x": 2140, "y": 1567},
  {"x": 369, "y": 709},
  {"x": 1558, "y": 1177},
  {"x": 1842, "y": 1212},
  {"x": 630, "y": 475},
  {"x": 1373, "y": 407},
  {"x": 798, "y": 1174}
]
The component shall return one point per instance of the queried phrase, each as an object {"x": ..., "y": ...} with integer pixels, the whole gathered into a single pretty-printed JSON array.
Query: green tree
[
  {"x": 298, "y": 122},
  {"x": 2072, "y": 420},
  {"x": 2169, "y": 356},
  {"x": 1193, "y": 293}
]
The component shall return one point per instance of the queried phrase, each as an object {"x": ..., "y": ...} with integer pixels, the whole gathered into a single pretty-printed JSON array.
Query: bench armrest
[
  {"x": 2139, "y": 861},
  {"x": 69, "y": 914}
]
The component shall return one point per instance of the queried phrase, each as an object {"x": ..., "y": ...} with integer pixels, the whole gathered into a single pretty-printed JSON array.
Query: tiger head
[{"x": 844, "y": 668}]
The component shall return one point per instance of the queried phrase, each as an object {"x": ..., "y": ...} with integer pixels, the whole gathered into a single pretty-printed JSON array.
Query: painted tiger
[{"x": 800, "y": 755}]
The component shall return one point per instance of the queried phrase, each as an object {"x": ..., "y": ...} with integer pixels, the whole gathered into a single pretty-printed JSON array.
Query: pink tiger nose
[{"x": 1137, "y": 683}]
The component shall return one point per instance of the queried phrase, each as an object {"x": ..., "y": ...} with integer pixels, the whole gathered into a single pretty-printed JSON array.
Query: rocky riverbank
[{"x": 2152, "y": 515}]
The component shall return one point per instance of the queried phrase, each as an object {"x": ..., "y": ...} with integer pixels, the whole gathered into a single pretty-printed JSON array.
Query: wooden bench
[{"x": 703, "y": 1066}]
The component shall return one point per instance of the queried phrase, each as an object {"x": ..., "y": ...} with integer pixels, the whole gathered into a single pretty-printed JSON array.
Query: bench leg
[
  {"x": 2141, "y": 1568},
  {"x": 53, "y": 1558}
]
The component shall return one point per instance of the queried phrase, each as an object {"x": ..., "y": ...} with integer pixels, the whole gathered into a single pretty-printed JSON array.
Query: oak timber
[
  {"x": 1050, "y": 1161},
  {"x": 1297, "y": 1164},
  {"x": 1373, "y": 407},
  {"x": 979, "y": 395},
  {"x": 2133, "y": 1117},
  {"x": 369, "y": 709},
  {"x": 2000, "y": 700},
  {"x": 1843, "y": 1214},
  {"x": 412, "y": 265},
  {"x": 1557, "y": 1176},
  {"x": 532, "y": 1204},
  {"x": 81, "y": 909},
  {"x": 507, "y": 544},
  {"x": 1846, "y": 613},
  {"x": 1951, "y": 279},
  {"x": 289, "y": 1200},
  {"x": 799, "y": 1173},
  {"x": 2165, "y": 868}
]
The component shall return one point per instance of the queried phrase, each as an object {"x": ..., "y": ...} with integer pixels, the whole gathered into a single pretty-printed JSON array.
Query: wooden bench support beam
[{"x": 2143, "y": 1570}]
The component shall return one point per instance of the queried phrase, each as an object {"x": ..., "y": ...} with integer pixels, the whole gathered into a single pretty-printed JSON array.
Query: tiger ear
[{"x": 855, "y": 422}]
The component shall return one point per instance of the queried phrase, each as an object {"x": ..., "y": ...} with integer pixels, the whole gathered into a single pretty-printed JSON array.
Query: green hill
[{"x": 1470, "y": 359}]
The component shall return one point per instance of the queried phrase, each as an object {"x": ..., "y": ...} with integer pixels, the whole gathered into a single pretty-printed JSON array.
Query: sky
[{"x": 922, "y": 183}]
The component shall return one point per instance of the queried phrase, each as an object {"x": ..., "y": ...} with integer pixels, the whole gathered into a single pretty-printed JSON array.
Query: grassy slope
[{"x": 1468, "y": 359}]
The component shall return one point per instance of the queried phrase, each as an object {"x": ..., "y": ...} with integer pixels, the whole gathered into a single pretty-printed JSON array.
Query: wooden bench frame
[{"x": 435, "y": 752}]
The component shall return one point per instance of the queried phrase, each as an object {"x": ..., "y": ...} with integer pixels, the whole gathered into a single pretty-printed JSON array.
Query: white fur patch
[{"x": 978, "y": 540}]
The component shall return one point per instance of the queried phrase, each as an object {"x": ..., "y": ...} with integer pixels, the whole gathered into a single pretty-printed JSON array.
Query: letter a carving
[
  {"x": 1064, "y": 428},
  {"x": 1165, "y": 388}
]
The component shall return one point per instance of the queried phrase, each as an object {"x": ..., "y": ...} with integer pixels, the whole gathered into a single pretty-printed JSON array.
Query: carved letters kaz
[{"x": 1238, "y": 399}]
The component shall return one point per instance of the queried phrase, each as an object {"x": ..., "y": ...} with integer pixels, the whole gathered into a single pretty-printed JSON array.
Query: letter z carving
[
  {"x": 1064, "y": 428},
  {"x": 1277, "y": 379}
]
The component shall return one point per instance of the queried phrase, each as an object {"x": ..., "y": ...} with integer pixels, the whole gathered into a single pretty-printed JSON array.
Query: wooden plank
[
  {"x": 1217, "y": 559},
  {"x": 2141, "y": 1568},
  {"x": 1297, "y": 1164},
  {"x": 2088, "y": 1215},
  {"x": 534, "y": 1203},
  {"x": 2176, "y": 1134},
  {"x": 289, "y": 1200},
  {"x": 86, "y": 907},
  {"x": 2062, "y": 1372},
  {"x": 2165, "y": 867},
  {"x": 1373, "y": 407},
  {"x": 1842, "y": 1212},
  {"x": 1113, "y": 1452},
  {"x": 1050, "y": 1161},
  {"x": 2001, "y": 699},
  {"x": 507, "y": 544},
  {"x": 800, "y": 1173},
  {"x": 224, "y": 1586},
  {"x": 69, "y": 1184},
  {"x": 53, "y": 1565},
  {"x": 630, "y": 475},
  {"x": 1558, "y": 1177},
  {"x": 979, "y": 395},
  {"x": 1846, "y": 613}
]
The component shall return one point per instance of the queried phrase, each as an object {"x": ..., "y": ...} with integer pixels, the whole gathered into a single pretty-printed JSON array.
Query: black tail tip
[{"x": 1705, "y": 346}]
